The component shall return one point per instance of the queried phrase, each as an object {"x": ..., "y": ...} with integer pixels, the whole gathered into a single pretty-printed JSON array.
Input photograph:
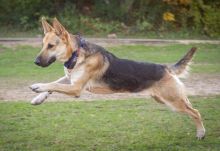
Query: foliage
[
  {"x": 211, "y": 21},
  {"x": 71, "y": 19},
  {"x": 109, "y": 16},
  {"x": 167, "y": 16}
]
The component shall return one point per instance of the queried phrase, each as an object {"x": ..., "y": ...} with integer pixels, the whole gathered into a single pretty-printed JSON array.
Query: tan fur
[
  {"x": 170, "y": 91},
  {"x": 100, "y": 90},
  {"x": 46, "y": 27},
  {"x": 89, "y": 69},
  {"x": 60, "y": 38}
]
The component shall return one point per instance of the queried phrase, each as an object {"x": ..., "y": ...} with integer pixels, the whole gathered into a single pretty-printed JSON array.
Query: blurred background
[{"x": 198, "y": 19}]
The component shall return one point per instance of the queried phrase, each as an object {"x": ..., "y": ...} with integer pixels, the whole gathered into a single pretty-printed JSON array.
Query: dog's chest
[
  {"x": 74, "y": 75},
  {"x": 68, "y": 72}
]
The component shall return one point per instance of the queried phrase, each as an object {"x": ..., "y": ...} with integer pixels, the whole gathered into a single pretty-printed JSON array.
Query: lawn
[
  {"x": 106, "y": 125},
  {"x": 18, "y": 63},
  {"x": 133, "y": 124}
]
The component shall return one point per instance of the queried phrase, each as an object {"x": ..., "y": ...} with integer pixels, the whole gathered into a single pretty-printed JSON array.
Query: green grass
[
  {"x": 206, "y": 59},
  {"x": 35, "y": 32},
  {"x": 18, "y": 63},
  {"x": 168, "y": 54},
  {"x": 106, "y": 125},
  {"x": 18, "y": 32}
]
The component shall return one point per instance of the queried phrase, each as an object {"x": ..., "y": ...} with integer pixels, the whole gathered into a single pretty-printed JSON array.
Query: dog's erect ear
[
  {"x": 59, "y": 29},
  {"x": 46, "y": 26}
]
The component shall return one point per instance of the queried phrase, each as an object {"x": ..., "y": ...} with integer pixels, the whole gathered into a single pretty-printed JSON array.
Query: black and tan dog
[{"x": 91, "y": 67}]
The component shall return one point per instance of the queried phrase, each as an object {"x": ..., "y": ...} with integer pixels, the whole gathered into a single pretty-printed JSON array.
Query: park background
[
  {"x": 127, "y": 18},
  {"x": 158, "y": 31}
]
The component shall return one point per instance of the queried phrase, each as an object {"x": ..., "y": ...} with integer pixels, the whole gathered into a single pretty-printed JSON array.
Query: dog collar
[{"x": 71, "y": 62}]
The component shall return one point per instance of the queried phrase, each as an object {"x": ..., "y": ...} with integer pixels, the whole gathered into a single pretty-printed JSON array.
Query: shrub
[
  {"x": 211, "y": 22},
  {"x": 107, "y": 16}
]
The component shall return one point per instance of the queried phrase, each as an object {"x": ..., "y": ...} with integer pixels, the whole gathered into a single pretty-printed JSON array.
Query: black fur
[
  {"x": 127, "y": 75},
  {"x": 131, "y": 76}
]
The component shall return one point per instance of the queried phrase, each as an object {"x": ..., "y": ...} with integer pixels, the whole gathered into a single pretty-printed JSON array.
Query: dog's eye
[{"x": 50, "y": 46}]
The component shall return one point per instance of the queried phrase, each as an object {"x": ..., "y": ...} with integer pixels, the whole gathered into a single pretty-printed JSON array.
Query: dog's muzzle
[
  {"x": 41, "y": 62},
  {"x": 37, "y": 61}
]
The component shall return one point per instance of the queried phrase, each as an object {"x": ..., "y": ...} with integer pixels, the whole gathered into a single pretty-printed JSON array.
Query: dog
[{"x": 90, "y": 67}]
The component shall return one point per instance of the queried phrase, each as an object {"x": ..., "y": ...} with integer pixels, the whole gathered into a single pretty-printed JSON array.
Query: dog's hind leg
[
  {"x": 171, "y": 92},
  {"x": 182, "y": 106},
  {"x": 44, "y": 95},
  {"x": 195, "y": 115}
]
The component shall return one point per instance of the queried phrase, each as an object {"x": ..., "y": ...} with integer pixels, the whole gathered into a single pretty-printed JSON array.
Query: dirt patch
[
  {"x": 196, "y": 85},
  {"x": 36, "y": 42}
]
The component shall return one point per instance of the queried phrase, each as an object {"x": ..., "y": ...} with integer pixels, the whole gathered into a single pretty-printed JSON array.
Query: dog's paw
[
  {"x": 40, "y": 98},
  {"x": 39, "y": 87},
  {"x": 200, "y": 134}
]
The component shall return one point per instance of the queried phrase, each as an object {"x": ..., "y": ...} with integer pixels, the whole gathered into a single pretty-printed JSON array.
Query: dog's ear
[
  {"x": 46, "y": 26},
  {"x": 59, "y": 29}
]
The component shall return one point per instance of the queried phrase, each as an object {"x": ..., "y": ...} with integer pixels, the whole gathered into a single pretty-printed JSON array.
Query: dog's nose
[{"x": 37, "y": 61}]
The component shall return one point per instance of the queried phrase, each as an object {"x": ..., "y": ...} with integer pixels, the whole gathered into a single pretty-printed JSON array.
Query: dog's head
[{"x": 57, "y": 44}]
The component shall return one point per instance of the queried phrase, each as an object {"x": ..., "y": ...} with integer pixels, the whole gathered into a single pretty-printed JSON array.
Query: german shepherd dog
[{"x": 90, "y": 67}]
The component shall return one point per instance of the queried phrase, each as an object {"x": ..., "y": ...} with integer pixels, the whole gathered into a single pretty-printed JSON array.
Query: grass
[
  {"x": 135, "y": 124},
  {"x": 106, "y": 125},
  {"x": 18, "y": 32},
  {"x": 182, "y": 34},
  {"x": 18, "y": 63}
]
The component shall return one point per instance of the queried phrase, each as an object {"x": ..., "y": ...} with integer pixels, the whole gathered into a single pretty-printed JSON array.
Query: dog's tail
[{"x": 182, "y": 66}]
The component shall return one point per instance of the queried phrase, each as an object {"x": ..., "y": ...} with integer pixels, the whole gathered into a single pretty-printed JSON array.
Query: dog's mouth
[{"x": 40, "y": 62}]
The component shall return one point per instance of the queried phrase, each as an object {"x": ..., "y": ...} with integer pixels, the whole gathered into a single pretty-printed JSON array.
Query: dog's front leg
[
  {"x": 82, "y": 74},
  {"x": 73, "y": 89},
  {"x": 44, "y": 95},
  {"x": 40, "y": 98},
  {"x": 78, "y": 81}
]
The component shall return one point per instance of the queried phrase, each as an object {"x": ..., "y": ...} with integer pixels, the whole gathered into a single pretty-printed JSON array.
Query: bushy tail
[{"x": 181, "y": 67}]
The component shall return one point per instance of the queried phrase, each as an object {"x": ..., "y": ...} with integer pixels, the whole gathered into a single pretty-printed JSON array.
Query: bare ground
[
  {"x": 11, "y": 42},
  {"x": 196, "y": 85}
]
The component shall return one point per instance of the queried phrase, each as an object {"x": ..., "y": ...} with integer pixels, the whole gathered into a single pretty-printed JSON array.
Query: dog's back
[
  {"x": 133, "y": 76},
  {"x": 127, "y": 75}
]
